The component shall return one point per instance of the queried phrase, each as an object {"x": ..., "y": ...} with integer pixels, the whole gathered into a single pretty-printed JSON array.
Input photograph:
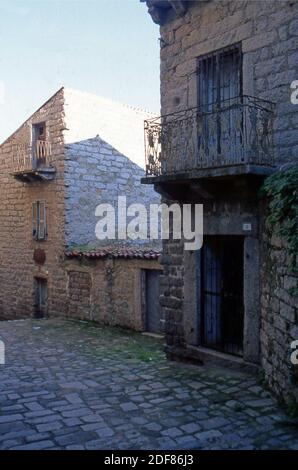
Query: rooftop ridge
[
  {"x": 76, "y": 90},
  {"x": 103, "y": 98}
]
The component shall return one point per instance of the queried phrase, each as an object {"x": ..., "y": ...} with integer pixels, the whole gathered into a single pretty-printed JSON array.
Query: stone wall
[
  {"x": 78, "y": 290},
  {"x": 109, "y": 289},
  {"x": 96, "y": 173},
  {"x": 173, "y": 294},
  {"x": 267, "y": 31},
  {"x": 181, "y": 280},
  {"x": 87, "y": 172},
  {"x": 279, "y": 320},
  {"x": 17, "y": 267}
]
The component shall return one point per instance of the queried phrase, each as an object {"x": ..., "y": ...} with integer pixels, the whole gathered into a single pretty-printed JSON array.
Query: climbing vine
[{"x": 282, "y": 190}]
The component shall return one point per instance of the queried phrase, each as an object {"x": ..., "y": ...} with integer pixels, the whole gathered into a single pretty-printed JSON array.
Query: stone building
[
  {"x": 75, "y": 152},
  {"x": 227, "y": 123}
]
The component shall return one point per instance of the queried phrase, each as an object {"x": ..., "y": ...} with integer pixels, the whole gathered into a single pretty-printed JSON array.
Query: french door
[{"x": 219, "y": 103}]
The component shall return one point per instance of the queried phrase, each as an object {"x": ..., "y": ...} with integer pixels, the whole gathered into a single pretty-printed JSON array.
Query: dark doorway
[
  {"x": 222, "y": 294},
  {"x": 153, "y": 311},
  {"x": 40, "y": 297}
]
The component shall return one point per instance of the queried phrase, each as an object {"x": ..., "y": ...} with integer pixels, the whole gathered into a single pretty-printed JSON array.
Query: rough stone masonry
[
  {"x": 267, "y": 32},
  {"x": 97, "y": 152}
]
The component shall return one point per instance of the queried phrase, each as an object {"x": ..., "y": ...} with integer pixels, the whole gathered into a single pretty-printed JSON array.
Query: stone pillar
[
  {"x": 251, "y": 339},
  {"x": 171, "y": 293},
  {"x": 192, "y": 284}
]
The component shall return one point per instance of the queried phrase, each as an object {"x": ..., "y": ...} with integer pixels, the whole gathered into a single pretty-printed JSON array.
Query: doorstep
[
  {"x": 153, "y": 335},
  {"x": 205, "y": 356}
]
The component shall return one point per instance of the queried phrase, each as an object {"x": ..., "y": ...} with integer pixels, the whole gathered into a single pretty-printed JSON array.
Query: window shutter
[
  {"x": 45, "y": 220},
  {"x": 42, "y": 221},
  {"x": 34, "y": 220}
]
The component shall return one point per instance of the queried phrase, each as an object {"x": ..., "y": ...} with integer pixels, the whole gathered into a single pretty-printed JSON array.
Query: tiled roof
[{"x": 114, "y": 252}]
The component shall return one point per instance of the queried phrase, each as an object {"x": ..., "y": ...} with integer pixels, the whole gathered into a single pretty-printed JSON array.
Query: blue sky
[{"x": 106, "y": 47}]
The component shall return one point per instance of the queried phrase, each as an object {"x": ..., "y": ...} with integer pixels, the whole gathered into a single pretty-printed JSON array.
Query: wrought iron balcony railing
[
  {"x": 233, "y": 132},
  {"x": 26, "y": 157}
]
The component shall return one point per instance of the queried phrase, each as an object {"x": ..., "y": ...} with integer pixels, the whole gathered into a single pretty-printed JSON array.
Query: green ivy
[{"x": 282, "y": 190}]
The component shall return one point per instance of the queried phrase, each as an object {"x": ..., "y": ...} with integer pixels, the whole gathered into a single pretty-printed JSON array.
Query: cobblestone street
[{"x": 74, "y": 385}]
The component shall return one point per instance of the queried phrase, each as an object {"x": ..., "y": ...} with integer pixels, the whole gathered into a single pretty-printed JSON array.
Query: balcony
[
  {"x": 222, "y": 140},
  {"x": 32, "y": 162}
]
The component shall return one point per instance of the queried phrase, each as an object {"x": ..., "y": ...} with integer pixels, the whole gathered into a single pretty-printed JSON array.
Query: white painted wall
[{"x": 120, "y": 125}]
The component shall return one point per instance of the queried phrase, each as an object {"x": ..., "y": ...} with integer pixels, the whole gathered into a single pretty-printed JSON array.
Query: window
[
  {"x": 40, "y": 145},
  {"x": 220, "y": 78},
  {"x": 39, "y": 220},
  {"x": 39, "y": 131},
  {"x": 220, "y": 106},
  {"x": 41, "y": 297}
]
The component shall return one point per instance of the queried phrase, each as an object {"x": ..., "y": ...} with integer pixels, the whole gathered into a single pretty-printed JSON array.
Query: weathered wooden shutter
[
  {"x": 42, "y": 229},
  {"x": 34, "y": 220}
]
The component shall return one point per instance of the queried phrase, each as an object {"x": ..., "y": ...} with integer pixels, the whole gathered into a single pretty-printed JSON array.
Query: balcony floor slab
[
  {"x": 210, "y": 173},
  {"x": 41, "y": 174},
  {"x": 240, "y": 181}
]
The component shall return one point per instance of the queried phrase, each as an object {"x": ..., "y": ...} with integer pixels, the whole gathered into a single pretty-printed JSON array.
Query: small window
[
  {"x": 40, "y": 145},
  {"x": 39, "y": 220},
  {"x": 39, "y": 131}
]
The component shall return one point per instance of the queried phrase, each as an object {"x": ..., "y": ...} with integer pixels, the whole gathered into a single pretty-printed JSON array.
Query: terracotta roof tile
[{"x": 114, "y": 252}]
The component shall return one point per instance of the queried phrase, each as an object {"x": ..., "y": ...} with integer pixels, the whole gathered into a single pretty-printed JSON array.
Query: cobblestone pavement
[{"x": 74, "y": 385}]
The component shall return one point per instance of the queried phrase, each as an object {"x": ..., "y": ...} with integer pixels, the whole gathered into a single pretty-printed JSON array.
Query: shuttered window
[{"x": 39, "y": 220}]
